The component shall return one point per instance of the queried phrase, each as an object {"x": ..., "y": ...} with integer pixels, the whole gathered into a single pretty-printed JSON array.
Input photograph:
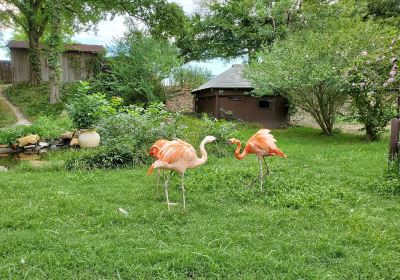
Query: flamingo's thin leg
[
  {"x": 266, "y": 166},
  {"x": 183, "y": 192},
  {"x": 261, "y": 174},
  {"x": 166, "y": 189},
  {"x": 256, "y": 179},
  {"x": 158, "y": 183}
]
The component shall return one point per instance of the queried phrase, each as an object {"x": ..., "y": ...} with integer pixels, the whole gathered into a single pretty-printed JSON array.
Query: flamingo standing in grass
[
  {"x": 155, "y": 152},
  {"x": 177, "y": 156},
  {"x": 262, "y": 144}
]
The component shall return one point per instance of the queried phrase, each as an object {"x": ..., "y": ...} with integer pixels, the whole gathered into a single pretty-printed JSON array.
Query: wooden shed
[
  {"x": 228, "y": 96},
  {"x": 77, "y": 61}
]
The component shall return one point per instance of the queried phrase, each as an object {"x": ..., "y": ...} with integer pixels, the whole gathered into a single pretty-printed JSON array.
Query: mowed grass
[
  {"x": 319, "y": 218},
  {"x": 7, "y": 116}
]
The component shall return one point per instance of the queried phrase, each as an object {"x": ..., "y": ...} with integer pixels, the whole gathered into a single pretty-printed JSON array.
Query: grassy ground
[
  {"x": 32, "y": 101},
  {"x": 319, "y": 218},
  {"x": 7, "y": 116}
]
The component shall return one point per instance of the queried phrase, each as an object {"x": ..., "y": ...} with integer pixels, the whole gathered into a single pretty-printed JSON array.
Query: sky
[{"x": 111, "y": 30}]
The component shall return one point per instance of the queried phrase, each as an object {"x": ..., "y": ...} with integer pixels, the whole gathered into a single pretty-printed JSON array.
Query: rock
[
  {"x": 44, "y": 144},
  {"x": 27, "y": 140},
  {"x": 123, "y": 211},
  {"x": 44, "y": 150},
  {"x": 30, "y": 147},
  {"x": 74, "y": 142},
  {"x": 6, "y": 151},
  {"x": 3, "y": 168},
  {"x": 67, "y": 135}
]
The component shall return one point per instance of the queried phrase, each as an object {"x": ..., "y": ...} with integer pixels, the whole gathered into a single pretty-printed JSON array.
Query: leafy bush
[
  {"x": 373, "y": 80},
  {"x": 103, "y": 157},
  {"x": 47, "y": 127},
  {"x": 138, "y": 66},
  {"x": 86, "y": 108},
  {"x": 127, "y": 136}
]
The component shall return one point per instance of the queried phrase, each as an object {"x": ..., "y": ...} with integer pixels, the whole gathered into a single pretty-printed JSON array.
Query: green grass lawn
[
  {"x": 319, "y": 218},
  {"x": 7, "y": 117}
]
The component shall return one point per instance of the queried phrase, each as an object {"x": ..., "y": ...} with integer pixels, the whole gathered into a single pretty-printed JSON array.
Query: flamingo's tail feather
[{"x": 278, "y": 153}]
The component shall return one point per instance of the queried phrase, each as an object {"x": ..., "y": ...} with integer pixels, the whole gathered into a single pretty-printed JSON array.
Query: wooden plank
[
  {"x": 394, "y": 139},
  {"x": 5, "y": 71}
]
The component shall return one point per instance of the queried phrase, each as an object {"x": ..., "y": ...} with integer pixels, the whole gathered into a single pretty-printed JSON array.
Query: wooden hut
[
  {"x": 228, "y": 96},
  {"x": 77, "y": 61}
]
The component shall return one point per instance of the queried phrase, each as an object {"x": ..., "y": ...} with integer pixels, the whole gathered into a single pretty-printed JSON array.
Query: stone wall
[{"x": 179, "y": 100}]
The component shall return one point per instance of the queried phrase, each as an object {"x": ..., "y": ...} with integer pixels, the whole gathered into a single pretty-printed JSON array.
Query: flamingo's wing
[
  {"x": 263, "y": 142},
  {"x": 177, "y": 150}
]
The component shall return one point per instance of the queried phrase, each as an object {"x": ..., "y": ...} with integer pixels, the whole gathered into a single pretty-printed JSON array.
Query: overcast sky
[{"x": 111, "y": 30}]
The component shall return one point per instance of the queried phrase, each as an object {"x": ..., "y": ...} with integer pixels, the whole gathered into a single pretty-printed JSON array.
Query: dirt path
[{"x": 21, "y": 120}]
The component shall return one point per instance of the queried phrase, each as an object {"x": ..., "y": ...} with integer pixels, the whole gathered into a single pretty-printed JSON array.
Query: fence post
[{"x": 394, "y": 139}]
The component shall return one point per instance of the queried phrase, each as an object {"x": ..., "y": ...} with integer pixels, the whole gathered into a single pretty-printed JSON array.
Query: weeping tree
[{"x": 307, "y": 68}]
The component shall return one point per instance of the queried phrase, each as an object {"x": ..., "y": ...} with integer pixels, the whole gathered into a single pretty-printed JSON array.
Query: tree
[
  {"x": 191, "y": 77},
  {"x": 373, "y": 80},
  {"x": 34, "y": 17},
  {"x": 139, "y": 63},
  {"x": 233, "y": 28},
  {"x": 385, "y": 11},
  {"x": 306, "y": 68},
  {"x": 55, "y": 46}
]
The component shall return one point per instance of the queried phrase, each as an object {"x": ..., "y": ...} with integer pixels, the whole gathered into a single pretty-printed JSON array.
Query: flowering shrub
[{"x": 374, "y": 86}]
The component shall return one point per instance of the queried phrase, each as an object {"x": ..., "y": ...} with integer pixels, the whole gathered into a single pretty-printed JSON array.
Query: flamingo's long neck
[
  {"x": 239, "y": 155},
  {"x": 203, "y": 152}
]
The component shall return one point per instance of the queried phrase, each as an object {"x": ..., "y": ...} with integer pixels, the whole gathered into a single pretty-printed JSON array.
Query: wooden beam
[{"x": 394, "y": 139}]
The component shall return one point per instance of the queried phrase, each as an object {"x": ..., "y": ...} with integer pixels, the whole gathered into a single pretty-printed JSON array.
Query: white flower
[{"x": 364, "y": 53}]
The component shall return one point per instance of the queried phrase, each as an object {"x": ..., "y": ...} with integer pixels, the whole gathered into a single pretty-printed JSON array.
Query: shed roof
[
  {"x": 231, "y": 78},
  {"x": 14, "y": 44}
]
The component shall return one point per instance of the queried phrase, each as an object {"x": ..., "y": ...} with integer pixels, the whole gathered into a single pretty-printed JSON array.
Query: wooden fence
[
  {"x": 5, "y": 71},
  {"x": 394, "y": 144}
]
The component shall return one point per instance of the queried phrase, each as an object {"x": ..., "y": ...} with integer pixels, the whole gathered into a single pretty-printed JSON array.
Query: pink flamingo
[
  {"x": 262, "y": 144},
  {"x": 177, "y": 156}
]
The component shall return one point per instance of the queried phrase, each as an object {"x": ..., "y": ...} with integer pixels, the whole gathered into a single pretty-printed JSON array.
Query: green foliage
[
  {"x": 46, "y": 127},
  {"x": 87, "y": 108},
  {"x": 384, "y": 11},
  {"x": 190, "y": 77},
  {"x": 389, "y": 183},
  {"x": 103, "y": 157},
  {"x": 374, "y": 82},
  {"x": 233, "y": 28},
  {"x": 139, "y": 65},
  {"x": 306, "y": 71},
  {"x": 34, "y": 101},
  {"x": 133, "y": 129}
]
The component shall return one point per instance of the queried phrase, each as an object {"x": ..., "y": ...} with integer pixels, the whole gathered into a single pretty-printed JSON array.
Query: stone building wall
[{"x": 180, "y": 100}]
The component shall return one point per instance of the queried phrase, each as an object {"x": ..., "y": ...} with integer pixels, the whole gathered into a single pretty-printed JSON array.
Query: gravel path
[{"x": 21, "y": 120}]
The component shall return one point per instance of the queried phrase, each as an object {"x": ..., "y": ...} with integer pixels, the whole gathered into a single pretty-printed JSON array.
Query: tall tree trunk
[
  {"x": 55, "y": 52},
  {"x": 34, "y": 58}
]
